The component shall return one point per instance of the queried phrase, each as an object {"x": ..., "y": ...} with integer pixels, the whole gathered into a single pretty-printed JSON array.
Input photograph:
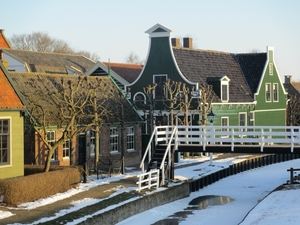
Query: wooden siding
[{"x": 16, "y": 166}]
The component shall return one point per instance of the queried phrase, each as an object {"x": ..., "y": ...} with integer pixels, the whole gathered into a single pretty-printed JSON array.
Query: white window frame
[
  {"x": 251, "y": 119},
  {"x": 224, "y": 128},
  {"x": 275, "y": 92},
  {"x": 137, "y": 100},
  {"x": 154, "y": 93},
  {"x": 224, "y": 85},
  {"x": 5, "y": 134},
  {"x": 244, "y": 120},
  {"x": 130, "y": 138},
  {"x": 66, "y": 149},
  {"x": 268, "y": 92},
  {"x": 114, "y": 140},
  {"x": 51, "y": 142}
]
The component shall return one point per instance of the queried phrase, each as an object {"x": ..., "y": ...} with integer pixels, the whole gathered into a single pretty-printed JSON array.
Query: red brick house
[{"x": 118, "y": 137}]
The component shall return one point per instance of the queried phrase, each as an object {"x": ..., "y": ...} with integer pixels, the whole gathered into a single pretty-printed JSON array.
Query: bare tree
[
  {"x": 171, "y": 91},
  {"x": 293, "y": 113},
  {"x": 67, "y": 108},
  {"x": 206, "y": 97},
  {"x": 133, "y": 58},
  {"x": 42, "y": 42}
]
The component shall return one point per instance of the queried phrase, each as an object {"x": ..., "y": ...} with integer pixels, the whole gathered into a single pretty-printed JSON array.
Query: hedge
[{"x": 19, "y": 190}]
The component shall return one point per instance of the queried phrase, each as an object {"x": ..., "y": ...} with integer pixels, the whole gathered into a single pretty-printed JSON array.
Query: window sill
[
  {"x": 131, "y": 150},
  {"x": 115, "y": 153}
]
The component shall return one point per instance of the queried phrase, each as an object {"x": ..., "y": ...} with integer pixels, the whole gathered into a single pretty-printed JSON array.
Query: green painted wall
[
  {"x": 232, "y": 112},
  {"x": 159, "y": 62},
  {"x": 16, "y": 166},
  {"x": 270, "y": 113}
]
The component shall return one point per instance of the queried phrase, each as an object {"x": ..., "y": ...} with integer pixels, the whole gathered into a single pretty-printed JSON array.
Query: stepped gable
[{"x": 209, "y": 66}]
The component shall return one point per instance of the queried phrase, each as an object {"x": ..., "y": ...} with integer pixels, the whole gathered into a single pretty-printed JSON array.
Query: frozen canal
[{"x": 240, "y": 192}]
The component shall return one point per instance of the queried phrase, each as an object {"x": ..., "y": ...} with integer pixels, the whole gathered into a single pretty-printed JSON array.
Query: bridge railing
[{"x": 229, "y": 135}]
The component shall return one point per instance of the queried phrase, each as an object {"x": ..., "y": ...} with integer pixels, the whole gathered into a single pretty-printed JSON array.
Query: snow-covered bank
[{"x": 247, "y": 189}]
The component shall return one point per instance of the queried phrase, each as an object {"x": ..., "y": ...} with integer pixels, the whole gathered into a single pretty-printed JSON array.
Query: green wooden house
[
  {"x": 247, "y": 89},
  {"x": 11, "y": 127}
]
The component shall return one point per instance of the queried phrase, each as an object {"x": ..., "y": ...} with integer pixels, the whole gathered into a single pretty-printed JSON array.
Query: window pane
[
  {"x": 114, "y": 138},
  {"x": 4, "y": 141},
  {"x": 5, "y": 126},
  {"x": 224, "y": 92},
  {"x": 275, "y": 92},
  {"x": 242, "y": 119},
  {"x": 268, "y": 92},
  {"x": 130, "y": 138},
  {"x": 159, "y": 90}
]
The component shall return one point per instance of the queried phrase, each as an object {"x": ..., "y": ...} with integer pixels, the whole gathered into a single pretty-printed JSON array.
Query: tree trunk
[{"x": 48, "y": 161}]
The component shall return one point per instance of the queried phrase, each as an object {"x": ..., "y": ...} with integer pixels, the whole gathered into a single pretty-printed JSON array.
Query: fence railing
[
  {"x": 229, "y": 135},
  {"x": 148, "y": 180},
  {"x": 220, "y": 135}
]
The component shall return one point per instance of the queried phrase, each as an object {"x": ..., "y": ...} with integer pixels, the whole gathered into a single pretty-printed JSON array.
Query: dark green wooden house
[{"x": 247, "y": 89}]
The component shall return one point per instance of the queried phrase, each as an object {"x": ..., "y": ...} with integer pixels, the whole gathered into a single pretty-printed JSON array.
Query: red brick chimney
[{"x": 188, "y": 42}]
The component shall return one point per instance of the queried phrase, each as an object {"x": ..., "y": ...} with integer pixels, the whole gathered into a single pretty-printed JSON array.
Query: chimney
[
  {"x": 175, "y": 42},
  {"x": 287, "y": 79},
  {"x": 188, "y": 42}
]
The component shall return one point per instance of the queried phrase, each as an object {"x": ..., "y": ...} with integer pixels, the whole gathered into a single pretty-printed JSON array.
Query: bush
[
  {"x": 41, "y": 185},
  {"x": 34, "y": 169}
]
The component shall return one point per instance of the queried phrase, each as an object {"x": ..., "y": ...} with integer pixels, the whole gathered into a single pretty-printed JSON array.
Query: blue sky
[{"x": 113, "y": 29}]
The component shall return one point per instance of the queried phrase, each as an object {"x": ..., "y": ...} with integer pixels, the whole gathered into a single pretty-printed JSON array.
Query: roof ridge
[
  {"x": 35, "y": 52},
  {"x": 201, "y": 50}
]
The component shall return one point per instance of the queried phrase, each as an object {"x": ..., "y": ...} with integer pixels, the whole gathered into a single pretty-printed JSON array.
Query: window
[
  {"x": 275, "y": 92},
  {"x": 66, "y": 149},
  {"x": 130, "y": 138},
  {"x": 114, "y": 139},
  {"x": 159, "y": 92},
  {"x": 268, "y": 92},
  {"x": 4, "y": 142},
  {"x": 139, "y": 98},
  {"x": 224, "y": 123},
  {"x": 224, "y": 92},
  {"x": 51, "y": 140},
  {"x": 92, "y": 143},
  {"x": 242, "y": 120},
  {"x": 251, "y": 119},
  {"x": 271, "y": 68}
]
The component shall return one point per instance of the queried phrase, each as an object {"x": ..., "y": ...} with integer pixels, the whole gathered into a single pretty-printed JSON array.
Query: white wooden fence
[
  {"x": 218, "y": 135},
  {"x": 148, "y": 180}
]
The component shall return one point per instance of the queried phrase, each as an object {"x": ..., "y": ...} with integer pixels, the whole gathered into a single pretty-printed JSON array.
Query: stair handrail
[
  {"x": 168, "y": 150},
  {"x": 148, "y": 150}
]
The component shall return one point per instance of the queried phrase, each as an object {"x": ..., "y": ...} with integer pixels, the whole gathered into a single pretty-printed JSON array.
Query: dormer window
[{"x": 225, "y": 89}]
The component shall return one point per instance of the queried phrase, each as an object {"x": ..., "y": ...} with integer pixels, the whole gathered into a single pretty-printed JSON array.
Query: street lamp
[{"x": 211, "y": 117}]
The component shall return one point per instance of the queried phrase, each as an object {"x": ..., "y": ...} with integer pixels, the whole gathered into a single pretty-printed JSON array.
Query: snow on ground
[{"x": 247, "y": 189}]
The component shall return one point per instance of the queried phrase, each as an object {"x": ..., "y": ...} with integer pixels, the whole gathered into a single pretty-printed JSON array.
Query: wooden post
[{"x": 291, "y": 175}]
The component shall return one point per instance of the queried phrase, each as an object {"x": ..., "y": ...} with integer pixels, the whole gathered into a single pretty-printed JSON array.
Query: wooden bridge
[{"x": 217, "y": 139}]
